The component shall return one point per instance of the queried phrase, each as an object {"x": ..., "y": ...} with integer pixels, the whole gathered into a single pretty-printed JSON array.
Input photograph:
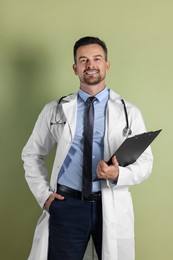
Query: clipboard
[{"x": 131, "y": 149}]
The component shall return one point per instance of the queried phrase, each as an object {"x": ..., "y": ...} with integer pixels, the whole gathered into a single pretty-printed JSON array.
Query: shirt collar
[{"x": 100, "y": 96}]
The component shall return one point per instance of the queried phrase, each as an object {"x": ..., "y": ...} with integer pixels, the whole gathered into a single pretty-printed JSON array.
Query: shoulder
[
  {"x": 117, "y": 99},
  {"x": 53, "y": 105},
  {"x": 134, "y": 114}
]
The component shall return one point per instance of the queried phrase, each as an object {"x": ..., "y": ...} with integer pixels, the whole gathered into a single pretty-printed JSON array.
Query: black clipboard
[{"x": 131, "y": 149}]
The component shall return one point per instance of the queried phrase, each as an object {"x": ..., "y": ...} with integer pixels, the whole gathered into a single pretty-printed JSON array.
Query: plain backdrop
[{"x": 36, "y": 43}]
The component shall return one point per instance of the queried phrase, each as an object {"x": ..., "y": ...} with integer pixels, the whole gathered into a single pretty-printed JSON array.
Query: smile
[{"x": 91, "y": 72}]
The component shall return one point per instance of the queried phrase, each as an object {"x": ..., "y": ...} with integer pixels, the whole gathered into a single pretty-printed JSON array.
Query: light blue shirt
[{"x": 71, "y": 172}]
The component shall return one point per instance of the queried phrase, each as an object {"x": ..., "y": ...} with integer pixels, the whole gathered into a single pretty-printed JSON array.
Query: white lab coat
[{"x": 118, "y": 216}]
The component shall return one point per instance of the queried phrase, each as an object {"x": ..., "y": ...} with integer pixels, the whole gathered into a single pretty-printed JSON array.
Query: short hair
[{"x": 89, "y": 40}]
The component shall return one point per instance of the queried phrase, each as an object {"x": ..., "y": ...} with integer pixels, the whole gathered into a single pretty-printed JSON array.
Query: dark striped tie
[{"x": 87, "y": 154}]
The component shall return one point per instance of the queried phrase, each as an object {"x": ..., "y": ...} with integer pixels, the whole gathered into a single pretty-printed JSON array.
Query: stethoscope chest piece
[{"x": 127, "y": 131}]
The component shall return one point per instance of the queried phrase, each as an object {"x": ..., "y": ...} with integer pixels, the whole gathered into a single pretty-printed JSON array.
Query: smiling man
[
  {"x": 91, "y": 66},
  {"x": 85, "y": 196}
]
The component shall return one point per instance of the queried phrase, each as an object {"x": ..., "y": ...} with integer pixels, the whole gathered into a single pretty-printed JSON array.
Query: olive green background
[{"x": 36, "y": 41}]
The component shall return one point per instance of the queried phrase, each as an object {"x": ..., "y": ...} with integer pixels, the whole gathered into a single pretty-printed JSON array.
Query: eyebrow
[{"x": 95, "y": 56}]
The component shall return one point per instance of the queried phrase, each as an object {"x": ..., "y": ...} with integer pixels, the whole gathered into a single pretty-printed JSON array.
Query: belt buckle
[
  {"x": 89, "y": 199},
  {"x": 92, "y": 197}
]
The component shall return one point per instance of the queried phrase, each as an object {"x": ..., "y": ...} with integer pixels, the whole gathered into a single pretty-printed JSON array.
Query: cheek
[
  {"x": 103, "y": 71},
  {"x": 78, "y": 71}
]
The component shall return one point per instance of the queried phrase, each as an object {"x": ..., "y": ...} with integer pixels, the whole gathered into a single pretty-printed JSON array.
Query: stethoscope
[
  {"x": 126, "y": 130},
  {"x": 60, "y": 121}
]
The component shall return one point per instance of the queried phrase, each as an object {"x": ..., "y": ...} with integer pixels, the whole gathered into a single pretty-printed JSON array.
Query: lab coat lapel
[
  {"x": 115, "y": 118},
  {"x": 70, "y": 109}
]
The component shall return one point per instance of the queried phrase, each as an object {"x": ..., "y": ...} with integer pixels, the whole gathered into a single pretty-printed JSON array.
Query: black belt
[{"x": 95, "y": 196}]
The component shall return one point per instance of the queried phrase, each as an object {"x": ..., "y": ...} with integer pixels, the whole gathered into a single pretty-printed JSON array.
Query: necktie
[{"x": 87, "y": 154}]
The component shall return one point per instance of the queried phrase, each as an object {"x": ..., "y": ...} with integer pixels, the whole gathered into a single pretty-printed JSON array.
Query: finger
[
  {"x": 99, "y": 168},
  {"x": 99, "y": 172},
  {"x": 59, "y": 197},
  {"x": 103, "y": 166}
]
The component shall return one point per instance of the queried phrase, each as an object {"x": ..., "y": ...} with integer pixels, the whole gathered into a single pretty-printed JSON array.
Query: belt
[{"x": 95, "y": 196}]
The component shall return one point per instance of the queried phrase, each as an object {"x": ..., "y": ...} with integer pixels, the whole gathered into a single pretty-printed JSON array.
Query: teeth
[{"x": 90, "y": 72}]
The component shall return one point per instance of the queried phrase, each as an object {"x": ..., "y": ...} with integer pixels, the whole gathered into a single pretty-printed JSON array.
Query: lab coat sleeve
[
  {"x": 137, "y": 172},
  {"x": 140, "y": 170},
  {"x": 34, "y": 155}
]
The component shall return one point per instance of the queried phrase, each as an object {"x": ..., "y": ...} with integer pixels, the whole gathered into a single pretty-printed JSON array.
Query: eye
[
  {"x": 82, "y": 60},
  {"x": 97, "y": 59}
]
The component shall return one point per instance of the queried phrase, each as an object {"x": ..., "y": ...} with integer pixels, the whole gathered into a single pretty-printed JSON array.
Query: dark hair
[{"x": 89, "y": 40}]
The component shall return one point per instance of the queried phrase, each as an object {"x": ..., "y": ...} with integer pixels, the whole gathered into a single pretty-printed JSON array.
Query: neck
[{"x": 92, "y": 89}]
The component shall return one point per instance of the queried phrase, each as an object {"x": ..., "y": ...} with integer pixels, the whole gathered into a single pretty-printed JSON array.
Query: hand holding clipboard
[{"x": 130, "y": 150}]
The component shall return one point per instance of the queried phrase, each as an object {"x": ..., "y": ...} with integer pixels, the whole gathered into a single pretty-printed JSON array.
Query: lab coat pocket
[{"x": 57, "y": 129}]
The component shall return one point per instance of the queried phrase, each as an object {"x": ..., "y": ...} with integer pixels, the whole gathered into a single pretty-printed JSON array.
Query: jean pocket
[{"x": 51, "y": 206}]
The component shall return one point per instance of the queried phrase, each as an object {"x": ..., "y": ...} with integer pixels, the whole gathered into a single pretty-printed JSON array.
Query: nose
[{"x": 90, "y": 64}]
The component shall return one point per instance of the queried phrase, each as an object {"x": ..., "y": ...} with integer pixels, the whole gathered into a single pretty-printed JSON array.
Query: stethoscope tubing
[{"x": 126, "y": 131}]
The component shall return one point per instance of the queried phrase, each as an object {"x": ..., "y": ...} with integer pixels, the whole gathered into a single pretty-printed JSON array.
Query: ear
[
  {"x": 75, "y": 69},
  {"x": 107, "y": 66}
]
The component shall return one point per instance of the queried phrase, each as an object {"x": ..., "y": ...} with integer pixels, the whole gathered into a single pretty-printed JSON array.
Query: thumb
[{"x": 114, "y": 161}]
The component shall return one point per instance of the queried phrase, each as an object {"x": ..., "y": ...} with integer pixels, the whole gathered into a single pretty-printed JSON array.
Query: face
[{"x": 91, "y": 66}]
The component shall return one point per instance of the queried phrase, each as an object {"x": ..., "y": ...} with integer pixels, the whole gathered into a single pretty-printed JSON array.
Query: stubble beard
[{"x": 91, "y": 81}]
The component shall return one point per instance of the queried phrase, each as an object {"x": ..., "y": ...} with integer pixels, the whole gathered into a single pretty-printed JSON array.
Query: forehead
[{"x": 90, "y": 50}]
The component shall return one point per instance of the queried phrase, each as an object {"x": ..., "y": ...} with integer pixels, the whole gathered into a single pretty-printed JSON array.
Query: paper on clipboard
[{"x": 131, "y": 149}]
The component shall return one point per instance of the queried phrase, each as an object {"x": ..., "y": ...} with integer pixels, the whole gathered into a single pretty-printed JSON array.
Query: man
[{"x": 69, "y": 218}]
